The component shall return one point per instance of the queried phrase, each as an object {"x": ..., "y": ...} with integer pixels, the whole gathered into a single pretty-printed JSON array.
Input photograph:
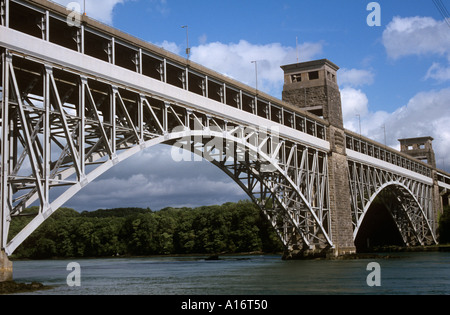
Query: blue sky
[
  {"x": 338, "y": 26},
  {"x": 395, "y": 75}
]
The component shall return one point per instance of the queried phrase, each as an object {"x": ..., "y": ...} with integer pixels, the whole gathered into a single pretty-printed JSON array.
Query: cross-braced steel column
[{"x": 5, "y": 263}]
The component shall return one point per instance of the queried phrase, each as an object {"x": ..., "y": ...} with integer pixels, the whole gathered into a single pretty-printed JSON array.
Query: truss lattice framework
[
  {"x": 409, "y": 201},
  {"x": 61, "y": 129}
]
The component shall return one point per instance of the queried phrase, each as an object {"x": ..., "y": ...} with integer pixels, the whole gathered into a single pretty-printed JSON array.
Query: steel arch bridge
[
  {"x": 409, "y": 202},
  {"x": 286, "y": 179},
  {"x": 77, "y": 100}
]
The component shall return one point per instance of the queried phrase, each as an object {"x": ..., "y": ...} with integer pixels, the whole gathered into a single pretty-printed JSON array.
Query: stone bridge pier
[
  {"x": 312, "y": 86},
  {"x": 6, "y": 267}
]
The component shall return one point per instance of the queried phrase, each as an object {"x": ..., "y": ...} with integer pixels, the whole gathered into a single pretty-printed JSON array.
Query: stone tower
[
  {"x": 312, "y": 86},
  {"x": 420, "y": 148}
]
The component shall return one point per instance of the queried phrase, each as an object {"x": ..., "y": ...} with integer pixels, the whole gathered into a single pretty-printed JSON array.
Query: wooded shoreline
[{"x": 229, "y": 228}]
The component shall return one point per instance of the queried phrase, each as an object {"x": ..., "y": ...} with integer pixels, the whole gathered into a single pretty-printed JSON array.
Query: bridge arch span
[
  {"x": 404, "y": 209},
  {"x": 235, "y": 152}
]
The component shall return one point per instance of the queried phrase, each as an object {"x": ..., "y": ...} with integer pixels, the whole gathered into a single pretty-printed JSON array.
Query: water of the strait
[{"x": 401, "y": 273}]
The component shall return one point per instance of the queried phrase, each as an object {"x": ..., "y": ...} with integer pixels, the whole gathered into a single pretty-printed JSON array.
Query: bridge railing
[
  {"x": 443, "y": 179},
  {"x": 103, "y": 42},
  {"x": 371, "y": 148}
]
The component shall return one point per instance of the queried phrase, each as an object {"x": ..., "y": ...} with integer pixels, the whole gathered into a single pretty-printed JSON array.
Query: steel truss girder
[
  {"x": 297, "y": 223},
  {"x": 409, "y": 201},
  {"x": 61, "y": 129}
]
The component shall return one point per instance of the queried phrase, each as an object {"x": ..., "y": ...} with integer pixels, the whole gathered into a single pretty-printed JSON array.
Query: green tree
[
  {"x": 139, "y": 233},
  {"x": 231, "y": 227},
  {"x": 246, "y": 231},
  {"x": 165, "y": 227},
  {"x": 184, "y": 234}
]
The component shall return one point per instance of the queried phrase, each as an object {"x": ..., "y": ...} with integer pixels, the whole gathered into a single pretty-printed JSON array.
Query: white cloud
[
  {"x": 153, "y": 179},
  {"x": 161, "y": 7},
  {"x": 354, "y": 102},
  {"x": 416, "y": 36},
  {"x": 203, "y": 39},
  {"x": 438, "y": 72},
  {"x": 355, "y": 77},
  {"x": 357, "y": 116},
  {"x": 157, "y": 191},
  {"x": 425, "y": 114},
  {"x": 235, "y": 61},
  {"x": 428, "y": 112},
  {"x": 101, "y": 10},
  {"x": 170, "y": 46}
]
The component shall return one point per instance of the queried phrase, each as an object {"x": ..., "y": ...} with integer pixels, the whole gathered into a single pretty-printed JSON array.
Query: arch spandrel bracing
[
  {"x": 409, "y": 201},
  {"x": 72, "y": 127}
]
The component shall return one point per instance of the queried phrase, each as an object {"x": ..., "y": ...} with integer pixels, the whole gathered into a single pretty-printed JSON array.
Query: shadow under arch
[
  {"x": 263, "y": 181},
  {"x": 378, "y": 229},
  {"x": 400, "y": 211}
]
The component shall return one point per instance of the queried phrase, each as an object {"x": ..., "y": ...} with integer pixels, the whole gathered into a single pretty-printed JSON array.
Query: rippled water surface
[{"x": 404, "y": 273}]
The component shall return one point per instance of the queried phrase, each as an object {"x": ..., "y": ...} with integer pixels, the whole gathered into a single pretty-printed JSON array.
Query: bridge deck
[
  {"x": 106, "y": 43},
  {"x": 360, "y": 146}
]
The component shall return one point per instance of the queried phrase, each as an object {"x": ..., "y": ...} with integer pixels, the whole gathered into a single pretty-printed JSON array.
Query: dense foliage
[
  {"x": 444, "y": 226},
  {"x": 230, "y": 228}
]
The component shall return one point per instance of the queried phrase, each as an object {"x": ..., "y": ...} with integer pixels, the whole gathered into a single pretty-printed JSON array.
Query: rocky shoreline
[{"x": 12, "y": 287}]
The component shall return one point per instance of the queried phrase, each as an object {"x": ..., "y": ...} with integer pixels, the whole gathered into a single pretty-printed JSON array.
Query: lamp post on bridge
[
  {"x": 359, "y": 119},
  {"x": 188, "y": 50},
  {"x": 256, "y": 73}
]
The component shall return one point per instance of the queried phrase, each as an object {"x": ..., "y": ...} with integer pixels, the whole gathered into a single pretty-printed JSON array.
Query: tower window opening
[
  {"x": 313, "y": 75},
  {"x": 296, "y": 77}
]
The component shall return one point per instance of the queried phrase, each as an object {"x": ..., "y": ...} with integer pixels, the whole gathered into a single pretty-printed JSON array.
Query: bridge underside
[
  {"x": 403, "y": 204},
  {"x": 378, "y": 230}
]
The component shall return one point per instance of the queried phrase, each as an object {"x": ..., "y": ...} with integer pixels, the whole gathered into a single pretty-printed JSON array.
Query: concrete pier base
[
  {"x": 329, "y": 253},
  {"x": 6, "y": 267},
  {"x": 304, "y": 254}
]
